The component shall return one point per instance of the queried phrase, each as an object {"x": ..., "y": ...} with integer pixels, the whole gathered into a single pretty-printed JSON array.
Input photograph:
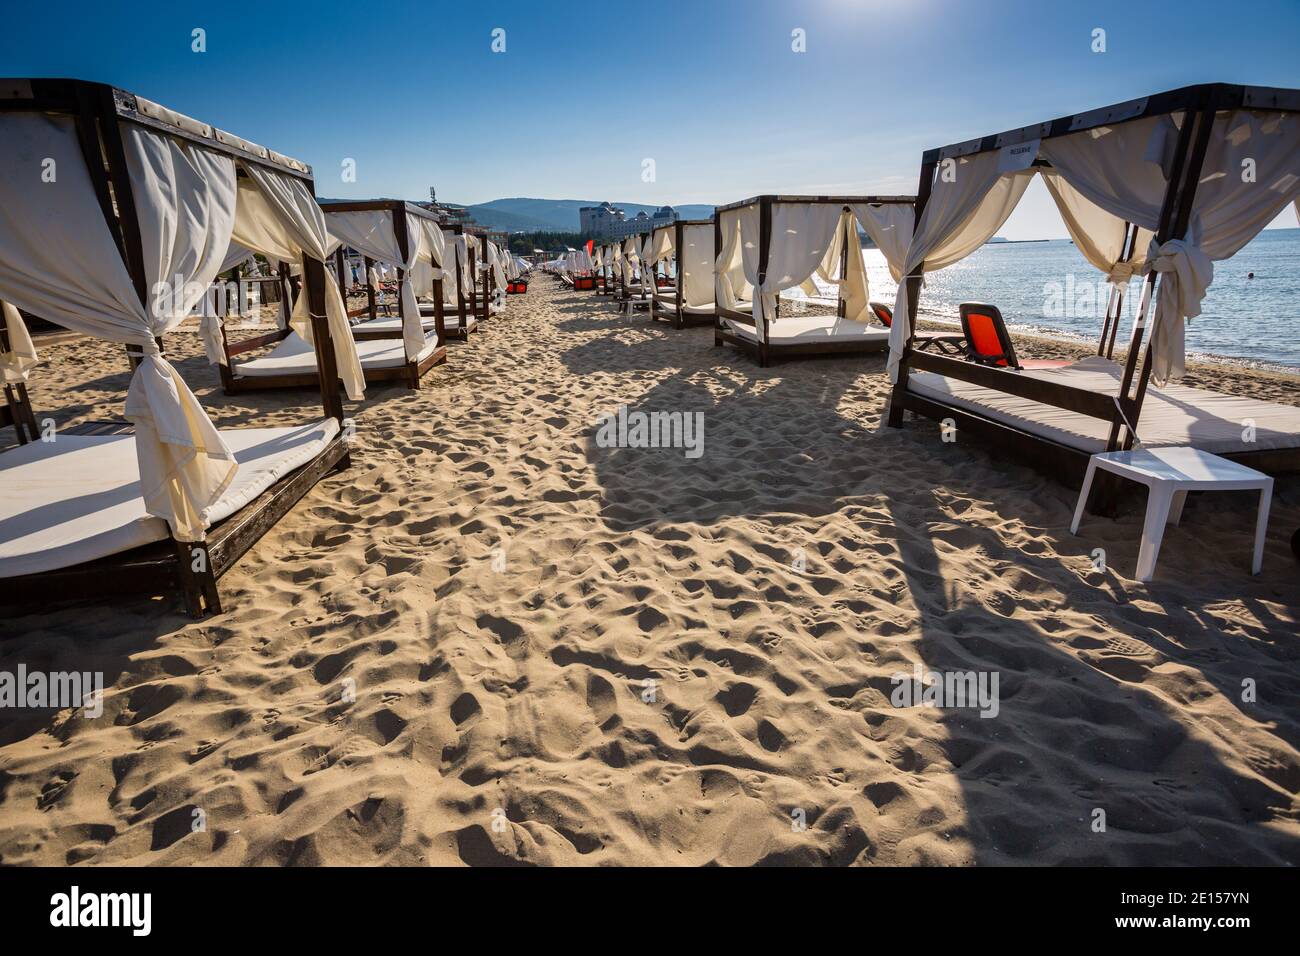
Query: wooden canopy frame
[
  {"x": 466, "y": 307},
  {"x": 371, "y": 310},
  {"x": 480, "y": 296},
  {"x": 624, "y": 294},
  {"x": 1064, "y": 462},
  {"x": 165, "y": 567},
  {"x": 677, "y": 315},
  {"x": 605, "y": 274},
  {"x": 409, "y": 373},
  {"x": 763, "y": 350}
]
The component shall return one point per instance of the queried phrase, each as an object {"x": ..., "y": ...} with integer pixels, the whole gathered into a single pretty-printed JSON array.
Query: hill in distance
[{"x": 558, "y": 215}]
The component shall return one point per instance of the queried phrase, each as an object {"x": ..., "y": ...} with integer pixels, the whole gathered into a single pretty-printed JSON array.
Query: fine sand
[{"x": 491, "y": 641}]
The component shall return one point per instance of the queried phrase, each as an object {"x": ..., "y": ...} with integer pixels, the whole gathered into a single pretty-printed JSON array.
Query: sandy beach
[{"x": 491, "y": 641}]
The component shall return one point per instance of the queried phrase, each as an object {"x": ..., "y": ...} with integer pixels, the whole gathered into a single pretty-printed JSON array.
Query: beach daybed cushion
[
  {"x": 77, "y": 498},
  {"x": 669, "y": 307},
  {"x": 393, "y": 323},
  {"x": 293, "y": 356},
  {"x": 814, "y": 329},
  {"x": 1171, "y": 415}
]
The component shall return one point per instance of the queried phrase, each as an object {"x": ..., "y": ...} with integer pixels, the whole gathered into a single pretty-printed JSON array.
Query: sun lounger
[{"x": 989, "y": 343}]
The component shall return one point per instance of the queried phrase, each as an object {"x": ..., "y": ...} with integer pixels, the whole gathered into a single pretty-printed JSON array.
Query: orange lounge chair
[{"x": 989, "y": 343}]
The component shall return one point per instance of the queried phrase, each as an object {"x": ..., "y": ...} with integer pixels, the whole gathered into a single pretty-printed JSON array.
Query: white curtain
[
  {"x": 58, "y": 260},
  {"x": 662, "y": 241},
  {"x": 853, "y": 288},
  {"x": 429, "y": 268},
  {"x": 1097, "y": 234},
  {"x": 372, "y": 233},
  {"x": 17, "y": 361},
  {"x": 1121, "y": 168},
  {"x": 890, "y": 226},
  {"x": 1250, "y": 174},
  {"x": 451, "y": 270},
  {"x": 235, "y": 255},
  {"x": 303, "y": 222},
  {"x": 1251, "y": 171},
  {"x": 631, "y": 258},
  {"x": 695, "y": 266},
  {"x": 969, "y": 202},
  {"x": 801, "y": 235},
  {"x": 750, "y": 221},
  {"x": 730, "y": 284},
  {"x": 497, "y": 260}
]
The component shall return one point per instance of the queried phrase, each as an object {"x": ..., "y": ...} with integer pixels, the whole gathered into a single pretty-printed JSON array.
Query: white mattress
[
  {"x": 813, "y": 330},
  {"x": 293, "y": 356},
  {"x": 450, "y": 318},
  {"x": 670, "y": 307},
  {"x": 1173, "y": 415},
  {"x": 77, "y": 498},
  {"x": 393, "y": 323}
]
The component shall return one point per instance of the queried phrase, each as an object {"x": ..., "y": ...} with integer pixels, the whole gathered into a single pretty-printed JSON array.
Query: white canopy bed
[
  {"x": 460, "y": 318},
  {"x": 689, "y": 300},
  {"x": 477, "y": 291},
  {"x": 1155, "y": 187},
  {"x": 608, "y": 267},
  {"x": 144, "y": 194},
  {"x": 777, "y": 243},
  {"x": 400, "y": 348},
  {"x": 631, "y": 277},
  {"x": 489, "y": 297}
]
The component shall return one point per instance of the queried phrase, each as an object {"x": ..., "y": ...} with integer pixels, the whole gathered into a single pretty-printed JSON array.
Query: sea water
[{"x": 1048, "y": 288}]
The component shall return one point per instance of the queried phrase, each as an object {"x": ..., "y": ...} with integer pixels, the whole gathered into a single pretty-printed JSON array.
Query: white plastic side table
[{"x": 1169, "y": 473}]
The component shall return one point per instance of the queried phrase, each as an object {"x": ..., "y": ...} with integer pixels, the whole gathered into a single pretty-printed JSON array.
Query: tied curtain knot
[
  {"x": 1187, "y": 273},
  {"x": 1121, "y": 272}
]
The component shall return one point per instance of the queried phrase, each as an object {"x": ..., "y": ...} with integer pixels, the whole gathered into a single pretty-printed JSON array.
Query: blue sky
[{"x": 711, "y": 90}]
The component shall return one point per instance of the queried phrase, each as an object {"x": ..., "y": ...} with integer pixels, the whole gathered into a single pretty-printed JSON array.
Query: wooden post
[
  {"x": 439, "y": 318},
  {"x": 717, "y": 299},
  {"x": 840, "y": 310},
  {"x": 764, "y": 241},
  {"x": 1182, "y": 218},
  {"x": 371, "y": 304},
  {"x": 1167, "y": 210},
  {"x": 286, "y": 295},
  {"x": 679, "y": 234},
  {"x": 1115, "y": 299},
  {"x": 313, "y": 275},
  {"x": 124, "y": 223},
  {"x": 923, "y": 188},
  {"x": 404, "y": 249}
]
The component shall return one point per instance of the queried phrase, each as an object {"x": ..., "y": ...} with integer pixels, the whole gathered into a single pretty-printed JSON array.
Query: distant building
[
  {"x": 599, "y": 221},
  {"x": 644, "y": 223}
]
